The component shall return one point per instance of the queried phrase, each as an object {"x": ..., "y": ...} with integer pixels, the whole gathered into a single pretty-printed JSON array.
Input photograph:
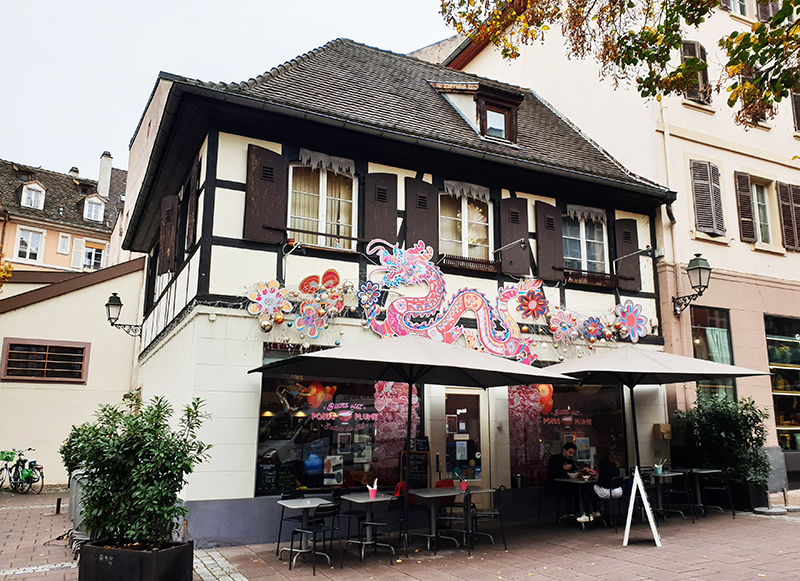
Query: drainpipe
[{"x": 668, "y": 224}]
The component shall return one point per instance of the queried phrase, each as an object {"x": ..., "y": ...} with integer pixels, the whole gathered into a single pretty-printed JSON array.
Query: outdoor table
[
  {"x": 434, "y": 495},
  {"x": 304, "y": 504},
  {"x": 659, "y": 478},
  {"x": 698, "y": 472},
  {"x": 365, "y": 499},
  {"x": 579, "y": 482}
]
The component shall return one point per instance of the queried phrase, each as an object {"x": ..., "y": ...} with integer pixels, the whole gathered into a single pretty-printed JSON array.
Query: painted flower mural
[
  {"x": 562, "y": 324},
  {"x": 593, "y": 329},
  {"x": 268, "y": 300},
  {"x": 532, "y": 304},
  {"x": 632, "y": 322}
]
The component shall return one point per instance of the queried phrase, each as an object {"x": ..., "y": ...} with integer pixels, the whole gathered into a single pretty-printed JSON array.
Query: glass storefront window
[
  {"x": 463, "y": 443},
  {"x": 543, "y": 417},
  {"x": 317, "y": 434},
  {"x": 783, "y": 351},
  {"x": 711, "y": 340}
]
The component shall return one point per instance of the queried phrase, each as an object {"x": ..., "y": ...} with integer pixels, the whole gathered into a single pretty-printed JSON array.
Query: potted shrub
[
  {"x": 729, "y": 434},
  {"x": 135, "y": 465}
]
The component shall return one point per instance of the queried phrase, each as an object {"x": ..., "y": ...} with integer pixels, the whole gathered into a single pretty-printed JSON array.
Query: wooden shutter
[
  {"x": 191, "y": 212},
  {"x": 78, "y": 248},
  {"x": 726, "y": 5},
  {"x": 744, "y": 201},
  {"x": 422, "y": 214},
  {"x": 169, "y": 231},
  {"x": 630, "y": 277},
  {"x": 796, "y": 108},
  {"x": 697, "y": 92},
  {"x": 768, "y": 10},
  {"x": 513, "y": 226},
  {"x": 789, "y": 202},
  {"x": 549, "y": 244},
  {"x": 707, "y": 197},
  {"x": 266, "y": 201},
  {"x": 380, "y": 207}
]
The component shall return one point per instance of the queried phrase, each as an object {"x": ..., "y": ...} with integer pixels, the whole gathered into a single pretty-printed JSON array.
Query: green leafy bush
[
  {"x": 135, "y": 466},
  {"x": 727, "y": 433}
]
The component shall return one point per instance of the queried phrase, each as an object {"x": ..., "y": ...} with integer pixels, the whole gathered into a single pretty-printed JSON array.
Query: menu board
[
  {"x": 422, "y": 444},
  {"x": 419, "y": 469}
]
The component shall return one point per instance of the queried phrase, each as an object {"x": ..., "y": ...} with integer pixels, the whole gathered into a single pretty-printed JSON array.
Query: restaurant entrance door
[{"x": 467, "y": 446}]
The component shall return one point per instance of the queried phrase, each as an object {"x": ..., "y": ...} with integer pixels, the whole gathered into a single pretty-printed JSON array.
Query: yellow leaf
[
  {"x": 794, "y": 157},
  {"x": 658, "y": 97},
  {"x": 545, "y": 27}
]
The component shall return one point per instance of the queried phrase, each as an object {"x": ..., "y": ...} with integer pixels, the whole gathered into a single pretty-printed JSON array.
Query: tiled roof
[
  {"x": 377, "y": 89},
  {"x": 63, "y": 202}
]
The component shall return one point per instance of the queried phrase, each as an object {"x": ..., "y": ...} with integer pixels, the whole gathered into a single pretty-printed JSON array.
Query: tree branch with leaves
[
  {"x": 5, "y": 269},
  {"x": 636, "y": 41}
]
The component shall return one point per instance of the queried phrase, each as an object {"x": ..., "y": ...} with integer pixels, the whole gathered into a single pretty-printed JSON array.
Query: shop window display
[
  {"x": 783, "y": 351},
  {"x": 321, "y": 434},
  {"x": 543, "y": 417}
]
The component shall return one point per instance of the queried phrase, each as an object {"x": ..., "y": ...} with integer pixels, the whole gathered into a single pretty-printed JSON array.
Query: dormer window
[
  {"x": 32, "y": 196},
  {"x": 491, "y": 111},
  {"x": 93, "y": 210}
]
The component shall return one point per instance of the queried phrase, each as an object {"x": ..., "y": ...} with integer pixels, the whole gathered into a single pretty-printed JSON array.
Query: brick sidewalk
[{"x": 716, "y": 548}]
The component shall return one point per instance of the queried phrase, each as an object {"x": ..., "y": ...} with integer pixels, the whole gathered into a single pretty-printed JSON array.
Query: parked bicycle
[
  {"x": 6, "y": 456},
  {"x": 26, "y": 474}
]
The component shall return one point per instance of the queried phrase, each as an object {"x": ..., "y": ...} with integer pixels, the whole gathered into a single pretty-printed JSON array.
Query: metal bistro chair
[
  {"x": 318, "y": 527},
  {"x": 685, "y": 491},
  {"x": 453, "y": 517},
  {"x": 393, "y": 516},
  {"x": 612, "y": 507},
  {"x": 717, "y": 483},
  {"x": 350, "y": 515},
  {"x": 496, "y": 512},
  {"x": 294, "y": 518}
]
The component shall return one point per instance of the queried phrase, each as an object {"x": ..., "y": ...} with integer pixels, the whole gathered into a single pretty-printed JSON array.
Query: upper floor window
[
  {"x": 63, "y": 243},
  {"x": 584, "y": 240},
  {"x": 700, "y": 91},
  {"x": 30, "y": 244},
  {"x": 93, "y": 255},
  {"x": 463, "y": 226},
  {"x": 707, "y": 198},
  {"x": 739, "y": 7},
  {"x": 761, "y": 213},
  {"x": 33, "y": 196},
  {"x": 44, "y": 360},
  {"x": 497, "y": 113},
  {"x": 322, "y": 207},
  {"x": 93, "y": 210}
]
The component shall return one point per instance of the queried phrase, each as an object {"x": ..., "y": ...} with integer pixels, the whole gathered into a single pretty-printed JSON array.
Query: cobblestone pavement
[{"x": 715, "y": 548}]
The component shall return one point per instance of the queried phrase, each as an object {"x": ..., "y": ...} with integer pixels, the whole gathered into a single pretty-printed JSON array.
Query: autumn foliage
[{"x": 640, "y": 41}]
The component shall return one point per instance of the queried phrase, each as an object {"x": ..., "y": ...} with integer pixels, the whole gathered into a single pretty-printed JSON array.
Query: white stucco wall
[{"x": 40, "y": 415}]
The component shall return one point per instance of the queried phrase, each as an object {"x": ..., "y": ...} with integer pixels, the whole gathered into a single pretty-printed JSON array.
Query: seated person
[
  {"x": 559, "y": 466},
  {"x": 608, "y": 470}
]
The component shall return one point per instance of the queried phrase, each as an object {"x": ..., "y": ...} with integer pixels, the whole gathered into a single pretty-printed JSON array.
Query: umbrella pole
[
  {"x": 407, "y": 461},
  {"x": 635, "y": 428}
]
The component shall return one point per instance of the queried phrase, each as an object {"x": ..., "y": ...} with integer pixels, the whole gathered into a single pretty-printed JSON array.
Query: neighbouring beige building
[{"x": 738, "y": 204}]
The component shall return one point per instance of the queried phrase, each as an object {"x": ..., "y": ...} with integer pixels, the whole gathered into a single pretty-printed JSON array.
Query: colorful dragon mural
[{"x": 497, "y": 331}]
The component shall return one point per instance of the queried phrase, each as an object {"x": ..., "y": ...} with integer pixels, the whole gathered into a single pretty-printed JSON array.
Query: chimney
[
  {"x": 104, "y": 178},
  {"x": 74, "y": 172}
]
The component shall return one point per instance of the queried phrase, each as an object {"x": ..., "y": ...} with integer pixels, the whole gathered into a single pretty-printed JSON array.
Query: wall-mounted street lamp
[
  {"x": 699, "y": 272},
  {"x": 113, "y": 309}
]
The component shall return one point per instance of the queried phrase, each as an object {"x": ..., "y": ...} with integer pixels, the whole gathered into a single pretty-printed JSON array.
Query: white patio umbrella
[
  {"x": 411, "y": 359},
  {"x": 632, "y": 366}
]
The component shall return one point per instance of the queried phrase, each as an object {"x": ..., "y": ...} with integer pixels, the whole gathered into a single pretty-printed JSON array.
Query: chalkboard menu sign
[
  {"x": 286, "y": 479},
  {"x": 419, "y": 469},
  {"x": 267, "y": 478},
  {"x": 422, "y": 444}
]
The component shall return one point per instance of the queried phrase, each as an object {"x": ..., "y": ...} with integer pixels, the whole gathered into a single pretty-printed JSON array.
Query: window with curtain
[
  {"x": 463, "y": 227},
  {"x": 321, "y": 210},
  {"x": 711, "y": 340}
]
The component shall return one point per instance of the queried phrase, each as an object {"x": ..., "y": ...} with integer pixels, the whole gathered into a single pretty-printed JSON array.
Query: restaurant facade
[{"x": 401, "y": 198}]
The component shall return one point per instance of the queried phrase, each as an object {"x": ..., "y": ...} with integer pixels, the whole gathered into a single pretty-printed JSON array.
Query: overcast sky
[{"x": 76, "y": 74}]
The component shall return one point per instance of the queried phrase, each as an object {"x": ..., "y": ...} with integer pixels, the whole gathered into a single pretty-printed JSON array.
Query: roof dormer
[
  {"x": 94, "y": 208},
  {"x": 490, "y": 111},
  {"x": 32, "y": 195}
]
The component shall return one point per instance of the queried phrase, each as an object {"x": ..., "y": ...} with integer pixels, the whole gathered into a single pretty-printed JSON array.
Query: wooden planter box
[{"x": 98, "y": 563}]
